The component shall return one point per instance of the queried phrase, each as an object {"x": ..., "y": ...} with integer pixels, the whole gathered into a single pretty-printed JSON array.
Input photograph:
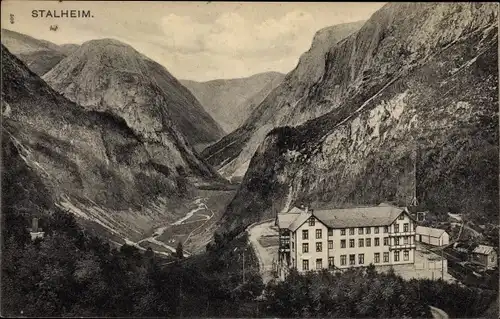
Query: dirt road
[
  {"x": 265, "y": 255},
  {"x": 438, "y": 313}
]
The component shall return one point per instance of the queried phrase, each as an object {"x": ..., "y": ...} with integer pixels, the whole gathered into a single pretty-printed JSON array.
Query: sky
[{"x": 198, "y": 41}]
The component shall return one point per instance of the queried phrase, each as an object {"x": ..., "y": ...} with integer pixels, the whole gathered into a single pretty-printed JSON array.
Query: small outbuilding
[
  {"x": 432, "y": 236},
  {"x": 486, "y": 256}
]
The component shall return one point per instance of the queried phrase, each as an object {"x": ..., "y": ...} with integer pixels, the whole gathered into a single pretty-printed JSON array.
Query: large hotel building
[{"x": 342, "y": 238}]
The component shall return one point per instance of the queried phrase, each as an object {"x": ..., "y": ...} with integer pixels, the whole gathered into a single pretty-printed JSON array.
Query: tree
[
  {"x": 250, "y": 289},
  {"x": 179, "y": 251},
  {"x": 149, "y": 254},
  {"x": 181, "y": 180},
  {"x": 370, "y": 270}
]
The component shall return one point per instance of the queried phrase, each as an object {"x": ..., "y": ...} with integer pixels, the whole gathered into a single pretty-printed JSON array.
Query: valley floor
[{"x": 193, "y": 230}]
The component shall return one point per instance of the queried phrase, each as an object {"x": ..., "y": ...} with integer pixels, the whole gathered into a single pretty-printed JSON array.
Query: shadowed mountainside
[{"x": 104, "y": 171}]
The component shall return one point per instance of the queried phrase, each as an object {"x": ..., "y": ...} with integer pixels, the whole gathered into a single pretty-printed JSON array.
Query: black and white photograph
[{"x": 210, "y": 159}]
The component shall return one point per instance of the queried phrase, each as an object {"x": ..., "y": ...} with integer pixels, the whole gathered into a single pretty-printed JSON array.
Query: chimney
[
  {"x": 307, "y": 209},
  {"x": 34, "y": 227}
]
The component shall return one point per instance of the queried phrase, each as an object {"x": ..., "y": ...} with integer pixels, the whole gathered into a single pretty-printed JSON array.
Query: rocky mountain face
[
  {"x": 285, "y": 105},
  {"x": 108, "y": 75},
  {"x": 231, "y": 101},
  {"x": 40, "y": 56},
  {"x": 119, "y": 177},
  {"x": 413, "y": 98}
]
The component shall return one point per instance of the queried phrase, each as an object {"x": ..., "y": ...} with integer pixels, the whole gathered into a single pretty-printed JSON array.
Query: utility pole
[
  {"x": 243, "y": 266},
  {"x": 414, "y": 201},
  {"x": 442, "y": 264}
]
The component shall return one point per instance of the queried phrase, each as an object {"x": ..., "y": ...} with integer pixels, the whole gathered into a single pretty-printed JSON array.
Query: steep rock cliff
[
  {"x": 108, "y": 75},
  {"x": 285, "y": 105},
  {"x": 417, "y": 84}
]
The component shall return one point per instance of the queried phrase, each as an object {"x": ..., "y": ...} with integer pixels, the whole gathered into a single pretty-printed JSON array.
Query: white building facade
[
  {"x": 432, "y": 236},
  {"x": 341, "y": 238}
]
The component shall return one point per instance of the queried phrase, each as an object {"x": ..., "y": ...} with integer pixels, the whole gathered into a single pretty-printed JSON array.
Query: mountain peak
[
  {"x": 327, "y": 33},
  {"x": 108, "y": 44},
  {"x": 109, "y": 75}
]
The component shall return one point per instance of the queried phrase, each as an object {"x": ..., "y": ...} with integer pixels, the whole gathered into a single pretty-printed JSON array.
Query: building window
[
  {"x": 405, "y": 227},
  {"x": 342, "y": 232},
  {"x": 368, "y": 242},
  {"x": 342, "y": 243},
  {"x": 360, "y": 231},
  {"x": 377, "y": 258},
  {"x": 293, "y": 263},
  {"x": 305, "y": 265},
  {"x": 293, "y": 245},
  {"x": 375, "y": 230},
  {"x": 330, "y": 232},
  {"x": 351, "y": 243},
  {"x": 318, "y": 233},
  {"x": 361, "y": 242},
  {"x": 396, "y": 255},
  {"x": 377, "y": 241},
  {"x": 319, "y": 247},
  {"x": 386, "y": 229},
  {"x": 396, "y": 228},
  {"x": 406, "y": 255},
  {"x": 361, "y": 259},
  {"x": 330, "y": 263},
  {"x": 386, "y": 241},
  {"x": 405, "y": 240},
  {"x": 312, "y": 222},
  {"x": 330, "y": 244},
  {"x": 343, "y": 260},
  {"x": 305, "y": 234},
  {"x": 352, "y": 259},
  {"x": 368, "y": 230},
  {"x": 386, "y": 257},
  {"x": 396, "y": 241},
  {"x": 319, "y": 263},
  {"x": 351, "y": 231},
  {"x": 402, "y": 216},
  {"x": 305, "y": 247}
]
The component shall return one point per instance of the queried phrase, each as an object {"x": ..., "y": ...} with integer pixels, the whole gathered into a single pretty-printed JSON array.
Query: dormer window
[{"x": 312, "y": 221}]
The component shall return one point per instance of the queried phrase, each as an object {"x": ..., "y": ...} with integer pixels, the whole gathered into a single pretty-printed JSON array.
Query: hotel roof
[
  {"x": 381, "y": 215},
  {"x": 301, "y": 219}
]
